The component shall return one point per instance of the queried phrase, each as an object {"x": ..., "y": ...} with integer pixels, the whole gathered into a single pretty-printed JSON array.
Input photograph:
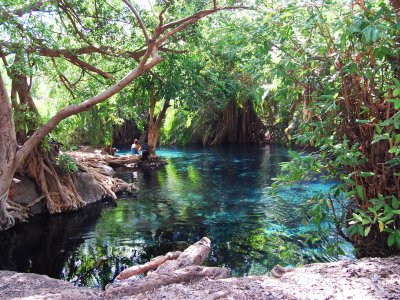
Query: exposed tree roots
[
  {"x": 174, "y": 267},
  {"x": 6, "y": 219},
  {"x": 59, "y": 188},
  {"x": 238, "y": 125}
]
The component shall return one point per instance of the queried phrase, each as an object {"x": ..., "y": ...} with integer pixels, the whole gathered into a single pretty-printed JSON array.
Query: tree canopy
[{"x": 319, "y": 74}]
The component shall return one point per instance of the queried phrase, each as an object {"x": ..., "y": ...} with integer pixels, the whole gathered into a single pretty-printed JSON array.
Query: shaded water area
[{"x": 221, "y": 193}]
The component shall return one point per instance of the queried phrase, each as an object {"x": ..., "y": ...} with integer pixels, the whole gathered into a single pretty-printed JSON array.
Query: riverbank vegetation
[{"x": 316, "y": 74}]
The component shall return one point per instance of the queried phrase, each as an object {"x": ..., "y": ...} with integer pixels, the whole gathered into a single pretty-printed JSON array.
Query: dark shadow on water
[
  {"x": 43, "y": 245},
  {"x": 219, "y": 192}
]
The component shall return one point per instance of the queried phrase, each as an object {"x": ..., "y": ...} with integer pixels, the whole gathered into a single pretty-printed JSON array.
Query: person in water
[{"x": 135, "y": 147}]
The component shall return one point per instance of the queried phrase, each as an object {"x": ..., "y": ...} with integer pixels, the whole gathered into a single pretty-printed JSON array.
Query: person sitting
[
  {"x": 145, "y": 152},
  {"x": 55, "y": 145},
  {"x": 135, "y": 147}
]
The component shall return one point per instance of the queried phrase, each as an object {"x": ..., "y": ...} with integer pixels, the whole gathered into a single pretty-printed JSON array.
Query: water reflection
[
  {"x": 46, "y": 243},
  {"x": 221, "y": 193}
]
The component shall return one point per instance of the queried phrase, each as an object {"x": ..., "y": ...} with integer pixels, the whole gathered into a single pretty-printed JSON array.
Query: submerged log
[{"x": 186, "y": 267}]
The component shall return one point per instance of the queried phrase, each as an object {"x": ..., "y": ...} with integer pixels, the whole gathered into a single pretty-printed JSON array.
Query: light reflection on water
[{"x": 222, "y": 193}]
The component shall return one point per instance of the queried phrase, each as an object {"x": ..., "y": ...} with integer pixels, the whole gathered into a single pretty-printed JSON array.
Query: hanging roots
[
  {"x": 6, "y": 219},
  {"x": 58, "y": 189},
  {"x": 93, "y": 164}
]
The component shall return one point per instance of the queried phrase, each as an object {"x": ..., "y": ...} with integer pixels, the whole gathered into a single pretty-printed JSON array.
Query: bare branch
[
  {"x": 177, "y": 29},
  {"x": 71, "y": 14},
  {"x": 160, "y": 17},
  {"x": 163, "y": 49},
  {"x": 64, "y": 8},
  {"x": 139, "y": 19},
  {"x": 74, "y": 60},
  {"x": 199, "y": 15},
  {"x": 84, "y": 65},
  {"x": 3, "y": 58},
  {"x": 162, "y": 113},
  {"x": 185, "y": 22},
  {"x": 24, "y": 10},
  {"x": 63, "y": 79}
]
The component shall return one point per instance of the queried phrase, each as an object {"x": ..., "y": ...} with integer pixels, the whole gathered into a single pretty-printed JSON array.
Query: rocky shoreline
[
  {"x": 95, "y": 181},
  {"x": 367, "y": 279}
]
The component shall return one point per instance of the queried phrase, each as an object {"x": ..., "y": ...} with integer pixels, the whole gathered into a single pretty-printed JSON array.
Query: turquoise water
[{"x": 222, "y": 193}]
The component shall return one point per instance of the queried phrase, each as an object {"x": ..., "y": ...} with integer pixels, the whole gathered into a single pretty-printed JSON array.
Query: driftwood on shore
[
  {"x": 95, "y": 158},
  {"x": 174, "y": 267},
  {"x": 151, "y": 265}
]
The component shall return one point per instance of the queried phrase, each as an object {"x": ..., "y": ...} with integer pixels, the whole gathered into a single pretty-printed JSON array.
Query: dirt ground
[{"x": 365, "y": 279}]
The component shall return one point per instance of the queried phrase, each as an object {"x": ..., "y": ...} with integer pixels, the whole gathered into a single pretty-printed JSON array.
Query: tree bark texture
[
  {"x": 147, "y": 58},
  {"x": 155, "y": 121},
  {"x": 8, "y": 146},
  {"x": 151, "y": 265},
  {"x": 238, "y": 125}
]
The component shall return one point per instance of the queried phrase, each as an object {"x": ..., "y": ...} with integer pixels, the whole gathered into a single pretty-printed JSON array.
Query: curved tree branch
[
  {"x": 201, "y": 14},
  {"x": 145, "y": 64},
  {"x": 139, "y": 19},
  {"x": 5, "y": 15},
  {"x": 185, "y": 22},
  {"x": 35, "y": 139}
]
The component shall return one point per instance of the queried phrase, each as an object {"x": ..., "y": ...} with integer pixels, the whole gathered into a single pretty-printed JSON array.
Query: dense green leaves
[{"x": 325, "y": 75}]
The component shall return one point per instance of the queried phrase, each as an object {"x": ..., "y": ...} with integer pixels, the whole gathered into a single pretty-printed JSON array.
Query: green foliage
[
  {"x": 324, "y": 74},
  {"x": 45, "y": 146},
  {"x": 25, "y": 120},
  {"x": 177, "y": 127},
  {"x": 66, "y": 163},
  {"x": 343, "y": 62},
  {"x": 383, "y": 213}
]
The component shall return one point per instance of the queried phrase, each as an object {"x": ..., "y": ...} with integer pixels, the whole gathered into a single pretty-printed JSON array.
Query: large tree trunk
[
  {"x": 8, "y": 147},
  {"x": 152, "y": 137},
  {"x": 147, "y": 58},
  {"x": 155, "y": 125},
  {"x": 10, "y": 159}
]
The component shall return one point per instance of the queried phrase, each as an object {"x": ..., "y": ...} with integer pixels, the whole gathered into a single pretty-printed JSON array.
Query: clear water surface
[{"x": 222, "y": 193}]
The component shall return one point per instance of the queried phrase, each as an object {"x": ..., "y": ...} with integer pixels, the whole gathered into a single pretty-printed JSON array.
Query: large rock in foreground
[
  {"x": 366, "y": 279},
  {"x": 15, "y": 285}
]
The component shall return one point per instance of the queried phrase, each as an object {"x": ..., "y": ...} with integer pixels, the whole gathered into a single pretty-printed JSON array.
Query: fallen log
[
  {"x": 193, "y": 255},
  {"x": 186, "y": 267},
  {"x": 127, "y": 161},
  {"x": 151, "y": 265}
]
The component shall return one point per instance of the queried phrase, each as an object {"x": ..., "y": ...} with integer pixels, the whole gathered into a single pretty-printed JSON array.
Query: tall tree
[
  {"x": 147, "y": 57},
  {"x": 342, "y": 59}
]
